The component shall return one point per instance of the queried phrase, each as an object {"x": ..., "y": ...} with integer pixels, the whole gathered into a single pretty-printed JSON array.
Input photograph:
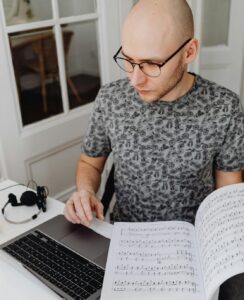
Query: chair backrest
[
  {"x": 47, "y": 46},
  {"x": 108, "y": 190},
  {"x": 67, "y": 36}
]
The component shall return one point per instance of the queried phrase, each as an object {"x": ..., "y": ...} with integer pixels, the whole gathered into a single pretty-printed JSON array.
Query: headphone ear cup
[
  {"x": 12, "y": 199},
  {"x": 28, "y": 198}
]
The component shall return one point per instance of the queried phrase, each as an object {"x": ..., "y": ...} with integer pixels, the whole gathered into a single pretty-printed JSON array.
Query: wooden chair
[{"x": 45, "y": 61}]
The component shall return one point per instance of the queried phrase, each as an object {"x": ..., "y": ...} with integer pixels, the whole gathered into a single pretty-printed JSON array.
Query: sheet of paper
[
  {"x": 220, "y": 231},
  {"x": 153, "y": 261}
]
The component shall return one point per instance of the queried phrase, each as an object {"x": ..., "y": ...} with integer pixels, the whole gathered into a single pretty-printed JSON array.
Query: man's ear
[{"x": 191, "y": 51}]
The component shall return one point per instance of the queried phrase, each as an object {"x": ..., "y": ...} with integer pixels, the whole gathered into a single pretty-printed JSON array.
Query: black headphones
[{"x": 28, "y": 198}]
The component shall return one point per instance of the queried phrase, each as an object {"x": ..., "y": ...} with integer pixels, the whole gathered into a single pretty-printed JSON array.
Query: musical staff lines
[
  {"x": 155, "y": 257},
  {"x": 159, "y": 243},
  {"x": 153, "y": 285},
  {"x": 172, "y": 270},
  {"x": 220, "y": 231}
]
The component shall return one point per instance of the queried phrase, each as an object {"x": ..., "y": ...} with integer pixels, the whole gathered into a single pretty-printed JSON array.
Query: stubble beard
[{"x": 173, "y": 83}]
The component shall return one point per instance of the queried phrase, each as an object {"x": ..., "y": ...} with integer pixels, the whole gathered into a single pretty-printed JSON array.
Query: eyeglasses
[{"x": 148, "y": 68}]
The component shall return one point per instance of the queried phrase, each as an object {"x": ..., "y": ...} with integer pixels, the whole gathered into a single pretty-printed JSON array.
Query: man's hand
[{"x": 79, "y": 208}]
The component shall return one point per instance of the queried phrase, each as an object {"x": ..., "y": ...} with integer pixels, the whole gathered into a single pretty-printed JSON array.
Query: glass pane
[
  {"x": 82, "y": 67},
  {"x": 24, "y": 11},
  {"x": 76, "y": 7},
  {"x": 37, "y": 75},
  {"x": 216, "y": 15}
]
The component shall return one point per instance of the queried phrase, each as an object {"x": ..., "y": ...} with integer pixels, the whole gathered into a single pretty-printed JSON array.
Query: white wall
[
  {"x": 215, "y": 22},
  {"x": 83, "y": 56},
  {"x": 3, "y": 169},
  {"x": 242, "y": 91},
  {"x": 75, "y": 7},
  {"x": 42, "y": 9}
]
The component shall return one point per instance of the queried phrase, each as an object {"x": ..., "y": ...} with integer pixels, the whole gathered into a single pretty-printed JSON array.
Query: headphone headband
[{"x": 28, "y": 198}]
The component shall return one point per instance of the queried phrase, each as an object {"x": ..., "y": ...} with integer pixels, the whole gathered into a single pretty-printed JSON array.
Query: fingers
[
  {"x": 70, "y": 213},
  {"x": 74, "y": 209},
  {"x": 79, "y": 207},
  {"x": 86, "y": 204},
  {"x": 99, "y": 210}
]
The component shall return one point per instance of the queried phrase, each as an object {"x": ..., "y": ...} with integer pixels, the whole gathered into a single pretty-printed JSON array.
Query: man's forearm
[
  {"x": 226, "y": 178},
  {"x": 89, "y": 170},
  {"x": 87, "y": 177}
]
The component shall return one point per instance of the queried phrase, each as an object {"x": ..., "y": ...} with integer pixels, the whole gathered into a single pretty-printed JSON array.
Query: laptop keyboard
[{"x": 69, "y": 272}]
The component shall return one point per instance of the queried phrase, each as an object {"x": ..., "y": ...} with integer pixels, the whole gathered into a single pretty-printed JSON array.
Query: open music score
[
  {"x": 154, "y": 259},
  {"x": 174, "y": 260},
  {"x": 220, "y": 231}
]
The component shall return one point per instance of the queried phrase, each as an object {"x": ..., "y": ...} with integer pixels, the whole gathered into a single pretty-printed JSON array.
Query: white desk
[{"x": 15, "y": 281}]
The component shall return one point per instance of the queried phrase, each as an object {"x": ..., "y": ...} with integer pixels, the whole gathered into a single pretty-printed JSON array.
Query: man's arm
[
  {"x": 223, "y": 178},
  {"x": 88, "y": 174},
  {"x": 79, "y": 207}
]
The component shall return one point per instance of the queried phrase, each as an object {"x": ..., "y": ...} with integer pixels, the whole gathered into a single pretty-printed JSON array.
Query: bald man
[{"x": 175, "y": 136}]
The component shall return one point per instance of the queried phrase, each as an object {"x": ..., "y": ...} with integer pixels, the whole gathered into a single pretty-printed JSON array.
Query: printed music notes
[
  {"x": 220, "y": 232},
  {"x": 175, "y": 261},
  {"x": 158, "y": 258}
]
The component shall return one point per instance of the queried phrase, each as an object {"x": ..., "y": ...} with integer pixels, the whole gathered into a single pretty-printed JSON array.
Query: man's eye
[
  {"x": 149, "y": 63},
  {"x": 128, "y": 60}
]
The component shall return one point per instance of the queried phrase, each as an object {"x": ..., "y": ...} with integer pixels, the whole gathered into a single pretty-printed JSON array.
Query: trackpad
[{"x": 88, "y": 243}]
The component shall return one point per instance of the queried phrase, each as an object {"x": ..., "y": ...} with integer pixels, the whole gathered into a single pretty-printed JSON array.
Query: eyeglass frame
[{"x": 139, "y": 64}]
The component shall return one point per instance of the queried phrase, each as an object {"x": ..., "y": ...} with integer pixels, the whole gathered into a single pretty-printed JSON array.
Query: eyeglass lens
[{"x": 149, "y": 69}]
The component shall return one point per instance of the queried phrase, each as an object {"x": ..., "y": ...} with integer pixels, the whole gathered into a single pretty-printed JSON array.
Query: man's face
[{"x": 154, "y": 88}]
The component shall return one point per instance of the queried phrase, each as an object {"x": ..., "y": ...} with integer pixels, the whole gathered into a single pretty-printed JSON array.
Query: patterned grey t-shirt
[{"x": 165, "y": 152}]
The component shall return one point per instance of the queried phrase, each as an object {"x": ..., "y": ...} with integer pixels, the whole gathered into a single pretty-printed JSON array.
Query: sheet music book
[{"x": 175, "y": 260}]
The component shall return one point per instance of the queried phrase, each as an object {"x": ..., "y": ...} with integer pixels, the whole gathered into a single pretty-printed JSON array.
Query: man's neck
[{"x": 181, "y": 89}]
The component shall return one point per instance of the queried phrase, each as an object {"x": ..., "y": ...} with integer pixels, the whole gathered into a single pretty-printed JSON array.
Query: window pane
[
  {"x": 216, "y": 16},
  {"x": 24, "y": 11},
  {"x": 82, "y": 67},
  {"x": 37, "y": 76},
  {"x": 76, "y": 7}
]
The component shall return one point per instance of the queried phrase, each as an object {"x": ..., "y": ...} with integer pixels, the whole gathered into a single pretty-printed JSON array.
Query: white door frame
[
  {"x": 28, "y": 150},
  {"x": 218, "y": 58}
]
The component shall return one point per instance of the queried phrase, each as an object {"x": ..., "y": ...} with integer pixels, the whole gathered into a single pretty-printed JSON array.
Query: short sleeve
[
  {"x": 96, "y": 142},
  {"x": 231, "y": 155}
]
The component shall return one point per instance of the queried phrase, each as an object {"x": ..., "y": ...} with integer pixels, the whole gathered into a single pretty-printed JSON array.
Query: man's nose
[{"x": 137, "y": 77}]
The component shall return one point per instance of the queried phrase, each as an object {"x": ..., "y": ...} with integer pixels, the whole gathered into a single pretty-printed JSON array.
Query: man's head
[{"x": 152, "y": 32}]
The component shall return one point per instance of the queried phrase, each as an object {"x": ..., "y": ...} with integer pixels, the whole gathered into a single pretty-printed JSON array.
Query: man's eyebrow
[
  {"x": 159, "y": 59},
  {"x": 125, "y": 54}
]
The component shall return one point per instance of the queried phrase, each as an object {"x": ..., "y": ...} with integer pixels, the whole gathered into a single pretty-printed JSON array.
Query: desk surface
[{"x": 15, "y": 281}]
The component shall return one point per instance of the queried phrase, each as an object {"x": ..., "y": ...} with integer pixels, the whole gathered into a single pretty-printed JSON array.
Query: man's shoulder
[
  {"x": 120, "y": 85},
  {"x": 113, "y": 96},
  {"x": 211, "y": 84},
  {"x": 216, "y": 93}
]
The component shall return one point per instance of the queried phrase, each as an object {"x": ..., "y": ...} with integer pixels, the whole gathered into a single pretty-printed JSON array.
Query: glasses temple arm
[
  {"x": 178, "y": 50},
  {"x": 115, "y": 55}
]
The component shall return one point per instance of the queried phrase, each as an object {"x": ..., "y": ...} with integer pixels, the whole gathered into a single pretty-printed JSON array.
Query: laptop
[{"x": 69, "y": 258}]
